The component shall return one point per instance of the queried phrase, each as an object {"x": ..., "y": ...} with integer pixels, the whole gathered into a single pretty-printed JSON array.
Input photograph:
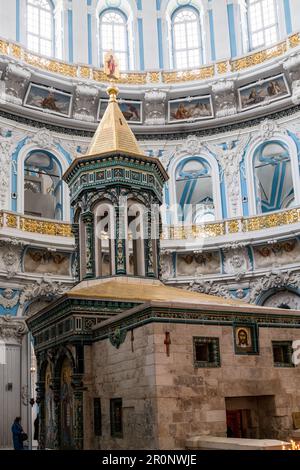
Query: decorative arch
[
  {"x": 284, "y": 297},
  {"x": 289, "y": 152},
  {"x": 61, "y": 160},
  {"x": 203, "y": 157}
]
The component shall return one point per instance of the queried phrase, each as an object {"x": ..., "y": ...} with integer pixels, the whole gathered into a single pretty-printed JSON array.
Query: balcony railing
[
  {"x": 24, "y": 223},
  {"x": 232, "y": 226},
  {"x": 16, "y": 51},
  {"x": 11, "y": 220}
]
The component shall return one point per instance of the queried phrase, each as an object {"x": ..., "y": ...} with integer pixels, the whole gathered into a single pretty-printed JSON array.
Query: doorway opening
[{"x": 249, "y": 417}]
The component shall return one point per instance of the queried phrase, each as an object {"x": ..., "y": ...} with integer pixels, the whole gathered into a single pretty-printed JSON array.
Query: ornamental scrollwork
[
  {"x": 41, "y": 288},
  {"x": 274, "y": 279},
  {"x": 210, "y": 288}
]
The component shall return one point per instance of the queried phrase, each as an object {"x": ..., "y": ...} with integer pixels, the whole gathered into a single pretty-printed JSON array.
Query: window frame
[
  {"x": 103, "y": 51},
  {"x": 215, "y": 342},
  {"x": 38, "y": 35},
  {"x": 283, "y": 343},
  {"x": 175, "y": 13},
  {"x": 263, "y": 29}
]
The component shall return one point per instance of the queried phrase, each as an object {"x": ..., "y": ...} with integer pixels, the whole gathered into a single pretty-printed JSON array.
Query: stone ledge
[{"x": 230, "y": 443}]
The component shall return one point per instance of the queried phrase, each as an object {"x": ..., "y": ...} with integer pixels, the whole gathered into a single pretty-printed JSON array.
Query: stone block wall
[{"x": 166, "y": 399}]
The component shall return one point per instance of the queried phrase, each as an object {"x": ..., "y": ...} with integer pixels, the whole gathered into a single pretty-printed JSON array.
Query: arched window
[
  {"x": 262, "y": 23},
  {"x": 274, "y": 188},
  {"x": 194, "y": 191},
  {"x": 40, "y": 27},
  {"x": 43, "y": 186},
  {"x": 186, "y": 38},
  {"x": 113, "y": 36}
]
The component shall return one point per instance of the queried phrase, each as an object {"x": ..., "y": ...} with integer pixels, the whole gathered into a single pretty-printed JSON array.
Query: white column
[
  {"x": 295, "y": 14},
  {"x": 151, "y": 53},
  {"x": 8, "y": 19},
  {"x": 80, "y": 32},
  {"x": 222, "y": 40}
]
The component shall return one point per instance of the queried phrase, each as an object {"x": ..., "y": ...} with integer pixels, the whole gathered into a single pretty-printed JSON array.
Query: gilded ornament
[
  {"x": 11, "y": 221},
  {"x": 233, "y": 226},
  {"x": 154, "y": 77},
  {"x": 3, "y": 47},
  {"x": 222, "y": 67},
  {"x": 258, "y": 57},
  {"x": 85, "y": 72},
  {"x": 294, "y": 40},
  {"x": 16, "y": 51}
]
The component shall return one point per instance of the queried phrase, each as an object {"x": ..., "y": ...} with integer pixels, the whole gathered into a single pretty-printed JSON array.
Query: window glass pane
[
  {"x": 263, "y": 22},
  {"x": 33, "y": 43},
  {"x": 45, "y": 24},
  {"x": 256, "y": 20},
  {"x": 45, "y": 47},
  {"x": 270, "y": 36},
  {"x": 107, "y": 37},
  {"x": 32, "y": 19},
  {"x": 40, "y": 26},
  {"x": 257, "y": 39},
  {"x": 181, "y": 60}
]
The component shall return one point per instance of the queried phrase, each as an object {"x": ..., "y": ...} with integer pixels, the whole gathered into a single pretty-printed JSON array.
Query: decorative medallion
[{"x": 117, "y": 337}]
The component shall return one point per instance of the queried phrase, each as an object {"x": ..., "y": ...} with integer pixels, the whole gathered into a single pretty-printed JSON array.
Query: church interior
[{"x": 150, "y": 224}]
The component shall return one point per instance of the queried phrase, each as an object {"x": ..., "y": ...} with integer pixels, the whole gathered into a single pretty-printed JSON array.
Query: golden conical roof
[{"x": 113, "y": 133}]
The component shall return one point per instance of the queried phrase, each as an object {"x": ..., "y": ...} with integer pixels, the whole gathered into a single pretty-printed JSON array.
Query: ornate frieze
[{"x": 114, "y": 172}]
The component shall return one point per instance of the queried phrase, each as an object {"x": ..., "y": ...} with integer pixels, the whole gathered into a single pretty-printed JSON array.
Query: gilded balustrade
[
  {"x": 242, "y": 225},
  {"x": 141, "y": 78},
  {"x": 11, "y": 220},
  {"x": 34, "y": 225}
]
